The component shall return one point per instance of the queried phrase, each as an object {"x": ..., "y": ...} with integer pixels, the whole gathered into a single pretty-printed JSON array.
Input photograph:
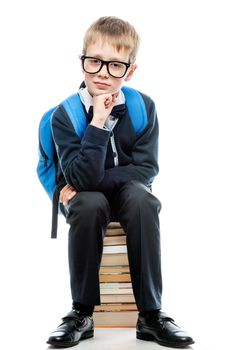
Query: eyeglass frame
[{"x": 105, "y": 63}]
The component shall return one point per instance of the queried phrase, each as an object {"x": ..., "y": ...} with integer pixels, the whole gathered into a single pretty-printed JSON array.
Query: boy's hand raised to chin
[{"x": 102, "y": 107}]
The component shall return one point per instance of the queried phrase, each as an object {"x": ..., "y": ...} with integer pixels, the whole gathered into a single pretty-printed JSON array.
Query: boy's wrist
[
  {"x": 97, "y": 134},
  {"x": 99, "y": 123}
]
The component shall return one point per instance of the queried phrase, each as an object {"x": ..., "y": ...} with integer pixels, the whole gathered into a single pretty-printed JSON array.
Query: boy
[{"x": 107, "y": 177}]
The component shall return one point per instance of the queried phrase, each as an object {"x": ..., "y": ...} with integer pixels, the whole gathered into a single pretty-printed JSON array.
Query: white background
[{"x": 186, "y": 64}]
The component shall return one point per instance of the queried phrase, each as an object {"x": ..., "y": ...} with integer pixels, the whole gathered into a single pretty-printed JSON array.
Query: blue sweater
[{"x": 90, "y": 164}]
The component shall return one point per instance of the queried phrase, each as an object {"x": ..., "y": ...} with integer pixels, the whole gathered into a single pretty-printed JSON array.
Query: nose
[{"x": 103, "y": 71}]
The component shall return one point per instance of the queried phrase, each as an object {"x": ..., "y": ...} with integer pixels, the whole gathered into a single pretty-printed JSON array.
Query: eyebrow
[{"x": 111, "y": 59}]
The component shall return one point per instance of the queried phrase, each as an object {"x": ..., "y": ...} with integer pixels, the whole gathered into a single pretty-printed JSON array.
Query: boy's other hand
[
  {"x": 66, "y": 194},
  {"x": 102, "y": 107}
]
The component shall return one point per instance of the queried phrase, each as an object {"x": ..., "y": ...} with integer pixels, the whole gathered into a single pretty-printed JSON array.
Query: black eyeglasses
[{"x": 93, "y": 65}]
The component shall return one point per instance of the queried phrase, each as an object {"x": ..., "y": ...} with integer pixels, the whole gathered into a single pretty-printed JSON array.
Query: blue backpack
[{"x": 48, "y": 159}]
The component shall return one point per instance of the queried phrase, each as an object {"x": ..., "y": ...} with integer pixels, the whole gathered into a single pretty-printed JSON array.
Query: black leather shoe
[
  {"x": 74, "y": 328},
  {"x": 158, "y": 326}
]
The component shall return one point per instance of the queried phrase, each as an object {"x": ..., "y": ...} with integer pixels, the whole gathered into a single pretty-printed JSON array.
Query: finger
[
  {"x": 68, "y": 196},
  {"x": 109, "y": 103},
  {"x": 113, "y": 98},
  {"x": 62, "y": 192},
  {"x": 108, "y": 99}
]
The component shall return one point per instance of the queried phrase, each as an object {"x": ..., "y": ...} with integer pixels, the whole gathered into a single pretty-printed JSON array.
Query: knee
[
  {"x": 88, "y": 204},
  {"x": 139, "y": 195}
]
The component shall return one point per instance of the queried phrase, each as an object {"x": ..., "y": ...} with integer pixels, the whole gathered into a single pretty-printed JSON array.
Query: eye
[
  {"x": 94, "y": 61},
  {"x": 116, "y": 65}
]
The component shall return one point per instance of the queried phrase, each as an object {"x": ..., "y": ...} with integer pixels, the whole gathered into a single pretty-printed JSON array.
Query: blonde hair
[{"x": 121, "y": 34}]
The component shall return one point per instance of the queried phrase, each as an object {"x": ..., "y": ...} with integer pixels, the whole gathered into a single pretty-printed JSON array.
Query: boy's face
[{"x": 102, "y": 82}]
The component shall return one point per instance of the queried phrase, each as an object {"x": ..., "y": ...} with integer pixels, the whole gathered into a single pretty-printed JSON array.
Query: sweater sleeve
[
  {"x": 78, "y": 158},
  {"x": 144, "y": 165}
]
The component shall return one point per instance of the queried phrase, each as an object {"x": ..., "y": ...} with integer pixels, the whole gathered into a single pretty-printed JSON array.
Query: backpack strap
[
  {"x": 75, "y": 111},
  {"x": 136, "y": 108},
  {"x": 55, "y": 210}
]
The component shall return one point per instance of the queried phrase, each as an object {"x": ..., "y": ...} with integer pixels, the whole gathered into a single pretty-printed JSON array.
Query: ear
[
  {"x": 130, "y": 73},
  {"x": 81, "y": 63}
]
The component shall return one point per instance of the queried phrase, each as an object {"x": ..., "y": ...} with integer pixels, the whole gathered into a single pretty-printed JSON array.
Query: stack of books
[{"x": 118, "y": 307}]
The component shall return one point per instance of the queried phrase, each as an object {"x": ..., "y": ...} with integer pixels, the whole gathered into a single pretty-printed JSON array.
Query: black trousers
[{"x": 88, "y": 214}]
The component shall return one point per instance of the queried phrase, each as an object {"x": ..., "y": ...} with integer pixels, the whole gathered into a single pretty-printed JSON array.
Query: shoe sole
[
  {"x": 84, "y": 336},
  {"x": 145, "y": 336}
]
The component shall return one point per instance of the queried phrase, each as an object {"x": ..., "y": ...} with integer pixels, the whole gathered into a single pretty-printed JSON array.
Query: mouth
[{"x": 101, "y": 85}]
